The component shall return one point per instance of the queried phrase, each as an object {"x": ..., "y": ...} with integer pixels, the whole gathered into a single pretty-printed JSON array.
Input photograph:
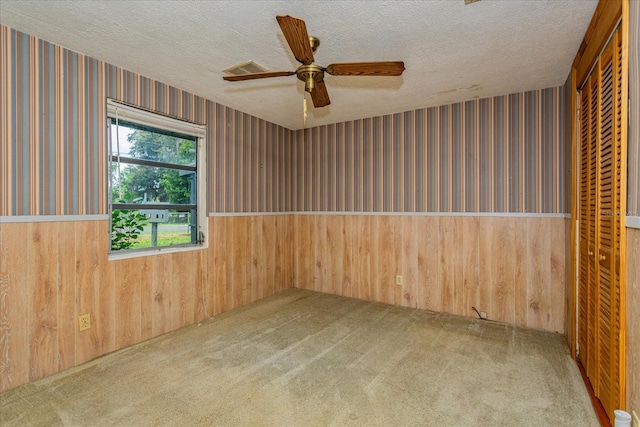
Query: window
[{"x": 156, "y": 185}]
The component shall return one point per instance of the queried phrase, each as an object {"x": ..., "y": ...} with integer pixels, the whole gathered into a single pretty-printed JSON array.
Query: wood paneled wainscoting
[
  {"x": 511, "y": 267},
  {"x": 51, "y": 272},
  {"x": 633, "y": 319}
]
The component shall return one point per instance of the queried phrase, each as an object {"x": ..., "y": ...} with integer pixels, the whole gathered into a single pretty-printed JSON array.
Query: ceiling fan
[{"x": 303, "y": 47}]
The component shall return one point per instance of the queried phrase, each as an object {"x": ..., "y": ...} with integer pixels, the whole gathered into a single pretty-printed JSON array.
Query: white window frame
[{"x": 120, "y": 111}]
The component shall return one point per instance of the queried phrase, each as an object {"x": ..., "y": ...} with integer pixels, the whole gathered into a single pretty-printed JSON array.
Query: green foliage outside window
[{"x": 126, "y": 226}]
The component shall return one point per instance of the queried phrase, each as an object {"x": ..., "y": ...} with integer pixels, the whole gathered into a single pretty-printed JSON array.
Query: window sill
[{"x": 115, "y": 256}]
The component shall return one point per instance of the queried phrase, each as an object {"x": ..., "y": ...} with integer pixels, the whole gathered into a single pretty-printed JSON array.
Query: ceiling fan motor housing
[{"x": 310, "y": 75}]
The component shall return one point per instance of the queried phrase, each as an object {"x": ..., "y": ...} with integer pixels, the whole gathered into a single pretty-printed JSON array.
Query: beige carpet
[{"x": 308, "y": 359}]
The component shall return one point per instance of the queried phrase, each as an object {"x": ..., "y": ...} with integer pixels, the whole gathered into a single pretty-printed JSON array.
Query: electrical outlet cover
[{"x": 84, "y": 322}]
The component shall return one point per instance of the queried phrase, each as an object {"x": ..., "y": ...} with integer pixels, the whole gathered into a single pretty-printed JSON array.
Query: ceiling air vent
[{"x": 245, "y": 68}]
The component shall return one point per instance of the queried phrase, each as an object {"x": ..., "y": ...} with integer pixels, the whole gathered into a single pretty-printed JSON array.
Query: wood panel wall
[
  {"x": 569, "y": 274},
  {"x": 633, "y": 320},
  {"x": 51, "y": 272},
  {"x": 511, "y": 267}
]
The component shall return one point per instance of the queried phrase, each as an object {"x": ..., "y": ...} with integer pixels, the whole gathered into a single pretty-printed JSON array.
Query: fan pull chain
[{"x": 304, "y": 110}]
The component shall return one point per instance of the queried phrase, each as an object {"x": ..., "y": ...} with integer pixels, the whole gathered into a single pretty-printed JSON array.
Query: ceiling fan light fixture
[
  {"x": 310, "y": 74},
  {"x": 310, "y": 83}
]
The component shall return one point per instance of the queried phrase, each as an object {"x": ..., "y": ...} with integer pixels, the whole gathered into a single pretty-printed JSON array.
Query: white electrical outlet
[
  {"x": 398, "y": 280},
  {"x": 483, "y": 314}
]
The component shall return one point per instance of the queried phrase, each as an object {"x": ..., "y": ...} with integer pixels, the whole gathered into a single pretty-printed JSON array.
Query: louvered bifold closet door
[
  {"x": 586, "y": 252},
  {"x": 606, "y": 301},
  {"x": 600, "y": 227},
  {"x": 610, "y": 224},
  {"x": 619, "y": 165},
  {"x": 593, "y": 218}
]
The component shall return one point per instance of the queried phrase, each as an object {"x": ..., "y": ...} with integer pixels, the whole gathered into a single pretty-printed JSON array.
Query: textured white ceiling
[{"x": 452, "y": 51}]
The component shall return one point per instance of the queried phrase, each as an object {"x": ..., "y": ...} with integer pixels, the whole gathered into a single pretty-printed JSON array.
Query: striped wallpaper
[
  {"x": 633, "y": 153},
  {"x": 499, "y": 154},
  {"x": 569, "y": 163},
  {"x": 53, "y": 152},
  {"x": 250, "y": 164}
]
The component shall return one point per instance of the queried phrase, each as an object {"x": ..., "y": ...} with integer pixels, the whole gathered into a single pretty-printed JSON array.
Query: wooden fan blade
[
  {"x": 320, "y": 96},
  {"x": 386, "y": 68},
  {"x": 295, "y": 31},
  {"x": 264, "y": 75}
]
